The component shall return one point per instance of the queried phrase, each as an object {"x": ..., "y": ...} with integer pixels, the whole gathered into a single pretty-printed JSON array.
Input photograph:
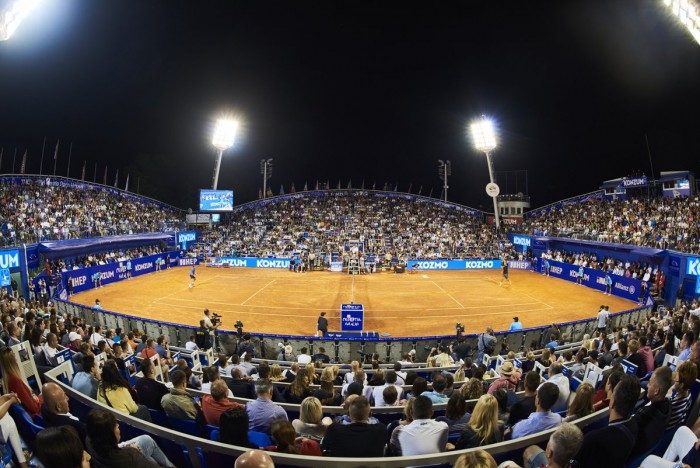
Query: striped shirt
[{"x": 679, "y": 410}]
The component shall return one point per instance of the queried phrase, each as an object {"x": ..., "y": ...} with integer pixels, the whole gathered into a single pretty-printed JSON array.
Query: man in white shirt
[
  {"x": 303, "y": 357},
  {"x": 603, "y": 315},
  {"x": 423, "y": 435},
  {"x": 378, "y": 393},
  {"x": 560, "y": 380},
  {"x": 191, "y": 345},
  {"x": 50, "y": 349}
]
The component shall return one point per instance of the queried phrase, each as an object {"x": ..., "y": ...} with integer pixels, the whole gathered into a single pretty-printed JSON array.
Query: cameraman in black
[{"x": 201, "y": 336}]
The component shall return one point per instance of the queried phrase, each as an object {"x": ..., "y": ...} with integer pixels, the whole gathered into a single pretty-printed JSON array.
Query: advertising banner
[
  {"x": 518, "y": 265},
  {"x": 674, "y": 265},
  {"x": 634, "y": 181},
  {"x": 352, "y": 317},
  {"x": 112, "y": 272},
  {"x": 251, "y": 262},
  {"x": 187, "y": 261},
  {"x": 692, "y": 266},
  {"x": 186, "y": 237},
  {"x": 626, "y": 288},
  {"x": 453, "y": 264},
  {"x": 9, "y": 259}
]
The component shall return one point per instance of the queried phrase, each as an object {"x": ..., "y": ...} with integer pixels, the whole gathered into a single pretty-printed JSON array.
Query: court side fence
[{"x": 345, "y": 349}]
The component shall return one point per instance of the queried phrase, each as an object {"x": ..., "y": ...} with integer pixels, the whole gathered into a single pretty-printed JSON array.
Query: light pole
[
  {"x": 444, "y": 170},
  {"x": 485, "y": 140},
  {"x": 224, "y": 135},
  {"x": 266, "y": 172}
]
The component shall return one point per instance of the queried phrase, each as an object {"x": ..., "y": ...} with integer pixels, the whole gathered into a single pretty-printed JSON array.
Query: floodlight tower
[
  {"x": 687, "y": 14},
  {"x": 12, "y": 14},
  {"x": 444, "y": 171},
  {"x": 266, "y": 172},
  {"x": 484, "y": 138},
  {"x": 224, "y": 135}
]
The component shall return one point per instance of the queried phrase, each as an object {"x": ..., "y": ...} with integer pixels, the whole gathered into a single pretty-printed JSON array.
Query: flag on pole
[
  {"x": 116, "y": 178},
  {"x": 338, "y": 187},
  {"x": 363, "y": 184},
  {"x": 126, "y": 186},
  {"x": 328, "y": 184},
  {"x": 82, "y": 176},
  {"x": 259, "y": 193},
  {"x": 386, "y": 186},
  {"x": 374, "y": 184},
  {"x": 55, "y": 151},
  {"x": 396, "y": 187},
  {"x": 420, "y": 190},
  {"x": 431, "y": 193},
  {"x": 293, "y": 189},
  {"x": 316, "y": 184},
  {"x": 410, "y": 187},
  {"x": 349, "y": 184},
  {"x": 306, "y": 187},
  {"x": 24, "y": 163},
  {"x": 282, "y": 189},
  {"x": 104, "y": 180}
]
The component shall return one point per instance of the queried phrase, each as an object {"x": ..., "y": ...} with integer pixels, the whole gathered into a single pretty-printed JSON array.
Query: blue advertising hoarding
[
  {"x": 5, "y": 277},
  {"x": 9, "y": 259},
  {"x": 674, "y": 265},
  {"x": 524, "y": 242},
  {"x": 112, "y": 272},
  {"x": 352, "y": 317},
  {"x": 215, "y": 200},
  {"x": 187, "y": 261},
  {"x": 453, "y": 264},
  {"x": 252, "y": 262},
  {"x": 626, "y": 288},
  {"x": 692, "y": 266},
  {"x": 519, "y": 265}
]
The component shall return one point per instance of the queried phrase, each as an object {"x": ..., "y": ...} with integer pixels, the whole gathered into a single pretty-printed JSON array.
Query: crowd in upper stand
[
  {"x": 665, "y": 223},
  {"x": 403, "y": 228},
  {"x": 38, "y": 211},
  {"x": 481, "y": 406}
]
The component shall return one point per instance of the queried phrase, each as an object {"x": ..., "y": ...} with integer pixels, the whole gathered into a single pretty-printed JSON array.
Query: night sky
[{"x": 352, "y": 90}]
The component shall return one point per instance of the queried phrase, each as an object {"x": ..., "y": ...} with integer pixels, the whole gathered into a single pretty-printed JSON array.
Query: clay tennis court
[{"x": 420, "y": 304}]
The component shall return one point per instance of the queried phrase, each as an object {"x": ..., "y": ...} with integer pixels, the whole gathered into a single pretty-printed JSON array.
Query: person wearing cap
[
  {"x": 74, "y": 341},
  {"x": 516, "y": 325},
  {"x": 509, "y": 378}
]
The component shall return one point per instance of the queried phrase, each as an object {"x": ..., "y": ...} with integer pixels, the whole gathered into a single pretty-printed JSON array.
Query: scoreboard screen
[{"x": 215, "y": 200}]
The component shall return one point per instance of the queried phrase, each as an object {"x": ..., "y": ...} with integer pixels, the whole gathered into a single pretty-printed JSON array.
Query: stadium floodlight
[
  {"x": 13, "y": 15},
  {"x": 687, "y": 13},
  {"x": 224, "y": 136},
  {"x": 484, "y": 136}
]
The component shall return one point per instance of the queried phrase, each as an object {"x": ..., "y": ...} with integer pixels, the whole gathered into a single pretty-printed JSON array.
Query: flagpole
[
  {"x": 55, "y": 156},
  {"x": 70, "y": 151},
  {"x": 41, "y": 164},
  {"x": 14, "y": 158},
  {"x": 94, "y": 177}
]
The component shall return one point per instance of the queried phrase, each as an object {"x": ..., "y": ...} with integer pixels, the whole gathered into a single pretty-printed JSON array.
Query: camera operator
[
  {"x": 461, "y": 350},
  {"x": 211, "y": 323}
]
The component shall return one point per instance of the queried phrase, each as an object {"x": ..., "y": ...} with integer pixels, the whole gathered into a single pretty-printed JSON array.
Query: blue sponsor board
[
  {"x": 5, "y": 278},
  {"x": 252, "y": 262},
  {"x": 454, "y": 264},
  {"x": 9, "y": 259},
  {"x": 674, "y": 265},
  {"x": 187, "y": 261},
  {"x": 692, "y": 266},
  {"x": 112, "y": 272},
  {"x": 519, "y": 265},
  {"x": 216, "y": 200},
  {"x": 186, "y": 237},
  {"x": 524, "y": 242},
  {"x": 352, "y": 317},
  {"x": 697, "y": 285},
  {"x": 634, "y": 181},
  {"x": 626, "y": 288}
]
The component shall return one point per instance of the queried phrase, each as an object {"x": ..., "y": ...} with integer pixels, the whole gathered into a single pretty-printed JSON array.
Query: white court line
[
  {"x": 258, "y": 292},
  {"x": 379, "y": 318},
  {"x": 364, "y": 278},
  {"x": 448, "y": 294}
]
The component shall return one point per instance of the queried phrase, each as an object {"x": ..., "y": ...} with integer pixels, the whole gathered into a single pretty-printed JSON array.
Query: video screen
[{"x": 215, "y": 200}]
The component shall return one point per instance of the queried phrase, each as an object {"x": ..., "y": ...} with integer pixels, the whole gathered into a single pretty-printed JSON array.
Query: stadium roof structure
[
  {"x": 647, "y": 252},
  {"x": 68, "y": 248}
]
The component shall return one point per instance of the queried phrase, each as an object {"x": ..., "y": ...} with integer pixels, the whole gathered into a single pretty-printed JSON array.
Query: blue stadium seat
[
  {"x": 259, "y": 438},
  {"x": 159, "y": 418},
  {"x": 26, "y": 426},
  {"x": 187, "y": 426},
  {"x": 214, "y": 435}
]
